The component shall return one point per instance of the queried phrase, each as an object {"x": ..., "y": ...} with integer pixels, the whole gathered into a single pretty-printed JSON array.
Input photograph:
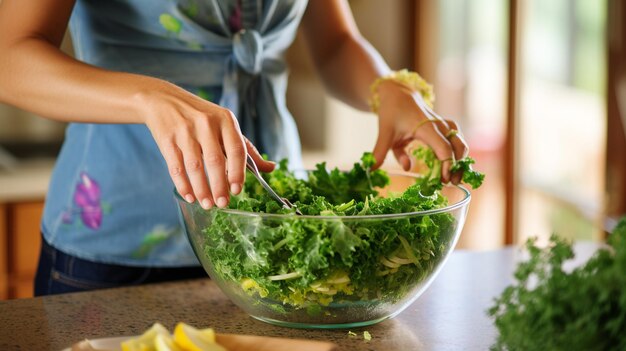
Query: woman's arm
[
  {"x": 348, "y": 65},
  {"x": 346, "y": 62},
  {"x": 36, "y": 76},
  {"x": 190, "y": 132}
]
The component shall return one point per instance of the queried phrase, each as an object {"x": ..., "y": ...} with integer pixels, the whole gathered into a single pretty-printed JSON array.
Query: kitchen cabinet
[
  {"x": 22, "y": 192},
  {"x": 25, "y": 221},
  {"x": 4, "y": 262},
  {"x": 20, "y": 241}
]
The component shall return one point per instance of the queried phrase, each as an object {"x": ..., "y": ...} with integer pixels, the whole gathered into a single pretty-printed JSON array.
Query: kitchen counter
[
  {"x": 27, "y": 181},
  {"x": 450, "y": 315}
]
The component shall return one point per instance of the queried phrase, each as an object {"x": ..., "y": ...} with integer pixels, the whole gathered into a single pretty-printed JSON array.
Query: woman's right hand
[{"x": 193, "y": 135}]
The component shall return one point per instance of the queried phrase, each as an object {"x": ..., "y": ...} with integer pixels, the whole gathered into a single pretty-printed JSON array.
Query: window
[
  {"x": 470, "y": 86},
  {"x": 560, "y": 120}
]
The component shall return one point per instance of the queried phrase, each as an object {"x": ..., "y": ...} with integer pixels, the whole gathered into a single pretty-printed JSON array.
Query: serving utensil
[{"x": 251, "y": 166}]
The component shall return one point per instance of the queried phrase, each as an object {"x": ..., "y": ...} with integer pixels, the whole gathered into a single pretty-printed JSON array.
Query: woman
[{"x": 162, "y": 91}]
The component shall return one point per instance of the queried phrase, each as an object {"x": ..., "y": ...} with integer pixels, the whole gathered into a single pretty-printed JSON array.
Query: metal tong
[{"x": 251, "y": 166}]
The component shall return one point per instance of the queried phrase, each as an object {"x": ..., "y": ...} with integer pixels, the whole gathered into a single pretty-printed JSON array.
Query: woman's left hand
[{"x": 404, "y": 117}]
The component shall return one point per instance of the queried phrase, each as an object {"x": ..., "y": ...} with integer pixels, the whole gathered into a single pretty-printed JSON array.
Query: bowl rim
[{"x": 461, "y": 203}]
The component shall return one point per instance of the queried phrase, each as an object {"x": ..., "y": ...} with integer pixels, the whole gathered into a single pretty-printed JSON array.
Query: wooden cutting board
[{"x": 232, "y": 342}]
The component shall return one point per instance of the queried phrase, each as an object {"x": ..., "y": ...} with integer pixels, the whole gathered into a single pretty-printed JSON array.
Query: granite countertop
[{"x": 450, "y": 315}]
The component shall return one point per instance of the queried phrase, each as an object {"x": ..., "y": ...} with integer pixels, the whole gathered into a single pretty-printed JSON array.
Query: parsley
[
  {"x": 291, "y": 262},
  {"x": 549, "y": 308}
]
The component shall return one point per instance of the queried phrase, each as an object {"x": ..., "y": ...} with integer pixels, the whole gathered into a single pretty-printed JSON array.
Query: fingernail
[
  {"x": 235, "y": 188},
  {"x": 206, "y": 204},
  {"x": 189, "y": 198},
  {"x": 222, "y": 202}
]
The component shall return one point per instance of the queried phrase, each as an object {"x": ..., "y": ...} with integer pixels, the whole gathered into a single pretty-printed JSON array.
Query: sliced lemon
[
  {"x": 145, "y": 342},
  {"x": 209, "y": 334},
  {"x": 165, "y": 343},
  {"x": 193, "y": 339}
]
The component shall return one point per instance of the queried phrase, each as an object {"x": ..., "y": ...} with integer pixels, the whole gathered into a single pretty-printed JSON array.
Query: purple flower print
[{"x": 87, "y": 197}]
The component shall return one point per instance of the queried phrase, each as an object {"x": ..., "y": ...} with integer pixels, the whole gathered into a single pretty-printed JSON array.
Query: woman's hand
[
  {"x": 192, "y": 134},
  {"x": 195, "y": 135},
  {"x": 348, "y": 65},
  {"x": 404, "y": 116}
]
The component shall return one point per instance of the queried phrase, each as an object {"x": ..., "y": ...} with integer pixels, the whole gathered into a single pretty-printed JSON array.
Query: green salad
[{"x": 305, "y": 262}]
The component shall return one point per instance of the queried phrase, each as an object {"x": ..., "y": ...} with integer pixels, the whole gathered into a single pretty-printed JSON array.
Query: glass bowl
[{"x": 249, "y": 256}]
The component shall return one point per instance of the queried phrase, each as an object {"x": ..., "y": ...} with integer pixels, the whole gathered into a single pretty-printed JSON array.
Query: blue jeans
[{"x": 59, "y": 273}]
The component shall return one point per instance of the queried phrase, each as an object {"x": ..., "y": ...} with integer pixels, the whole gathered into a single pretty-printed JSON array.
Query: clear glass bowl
[{"x": 395, "y": 279}]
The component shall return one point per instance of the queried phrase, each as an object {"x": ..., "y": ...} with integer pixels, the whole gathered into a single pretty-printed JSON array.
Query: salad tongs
[{"x": 251, "y": 166}]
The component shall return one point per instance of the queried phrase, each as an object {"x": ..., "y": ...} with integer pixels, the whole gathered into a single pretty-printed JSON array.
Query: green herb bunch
[{"x": 549, "y": 308}]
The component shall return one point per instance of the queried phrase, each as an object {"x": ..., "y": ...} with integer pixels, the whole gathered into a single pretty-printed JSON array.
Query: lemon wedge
[
  {"x": 193, "y": 339},
  {"x": 145, "y": 342},
  {"x": 209, "y": 334},
  {"x": 165, "y": 343}
]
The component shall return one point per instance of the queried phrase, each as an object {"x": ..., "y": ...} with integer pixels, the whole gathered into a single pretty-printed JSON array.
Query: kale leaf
[
  {"x": 549, "y": 308},
  {"x": 302, "y": 263},
  {"x": 431, "y": 180},
  {"x": 473, "y": 178}
]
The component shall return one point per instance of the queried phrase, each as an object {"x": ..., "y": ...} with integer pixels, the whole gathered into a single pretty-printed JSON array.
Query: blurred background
[
  {"x": 538, "y": 87},
  {"x": 528, "y": 82}
]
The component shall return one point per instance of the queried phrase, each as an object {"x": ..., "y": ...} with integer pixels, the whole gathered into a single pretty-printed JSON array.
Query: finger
[
  {"x": 235, "y": 150},
  {"x": 403, "y": 157},
  {"x": 215, "y": 163},
  {"x": 175, "y": 165},
  {"x": 432, "y": 136},
  {"x": 192, "y": 157},
  {"x": 459, "y": 146},
  {"x": 442, "y": 126},
  {"x": 383, "y": 144},
  {"x": 262, "y": 164},
  {"x": 449, "y": 131}
]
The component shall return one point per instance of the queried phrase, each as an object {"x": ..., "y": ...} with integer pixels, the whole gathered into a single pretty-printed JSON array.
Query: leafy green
[
  {"x": 473, "y": 178},
  {"x": 431, "y": 180},
  {"x": 308, "y": 263},
  {"x": 341, "y": 187},
  {"x": 549, "y": 308}
]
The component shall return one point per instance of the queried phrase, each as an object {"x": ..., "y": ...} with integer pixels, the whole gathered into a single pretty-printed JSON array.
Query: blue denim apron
[{"x": 110, "y": 197}]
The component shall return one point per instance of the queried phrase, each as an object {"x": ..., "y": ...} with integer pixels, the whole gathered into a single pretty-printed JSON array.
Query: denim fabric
[
  {"x": 110, "y": 198},
  {"x": 59, "y": 273}
]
